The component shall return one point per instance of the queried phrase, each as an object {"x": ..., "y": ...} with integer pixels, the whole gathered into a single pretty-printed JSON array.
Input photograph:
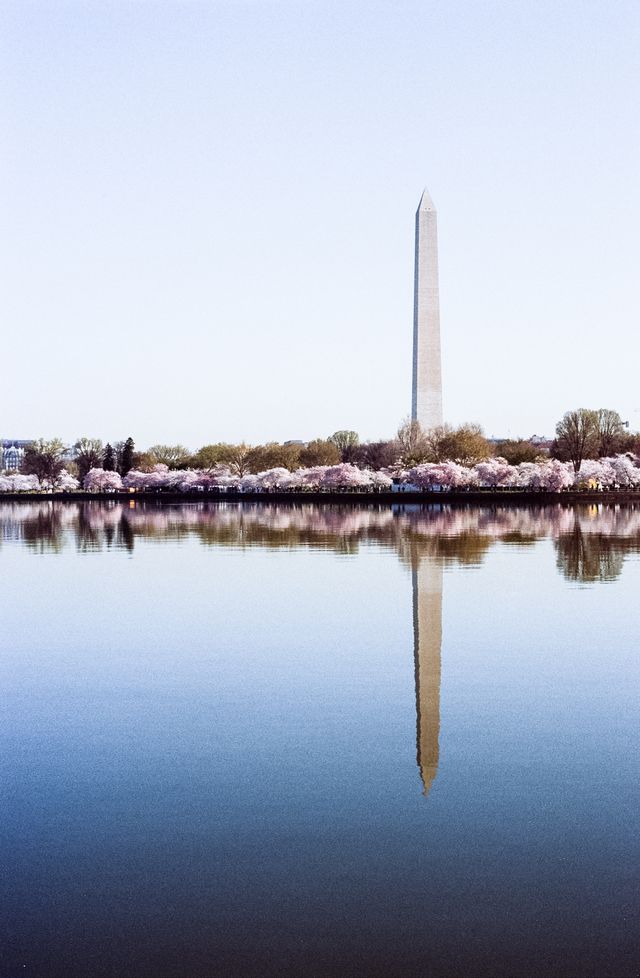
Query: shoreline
[{"x": 424, "y": 497}]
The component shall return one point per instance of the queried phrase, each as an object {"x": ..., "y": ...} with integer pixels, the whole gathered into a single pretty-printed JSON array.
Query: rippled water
[{"x": 318, "y": 741}]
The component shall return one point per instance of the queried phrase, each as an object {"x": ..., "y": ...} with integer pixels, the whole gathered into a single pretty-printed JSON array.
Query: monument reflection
[
  {"x": 426, "y": 584},
  {"x": 591, "y": 544}
]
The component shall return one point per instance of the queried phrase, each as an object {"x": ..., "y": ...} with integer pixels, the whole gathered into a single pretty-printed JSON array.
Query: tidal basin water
[{"x": 272, "y": 740}]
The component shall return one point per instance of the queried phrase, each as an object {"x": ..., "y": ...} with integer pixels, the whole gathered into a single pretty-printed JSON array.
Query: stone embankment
[{"x": 512, "y": 497}]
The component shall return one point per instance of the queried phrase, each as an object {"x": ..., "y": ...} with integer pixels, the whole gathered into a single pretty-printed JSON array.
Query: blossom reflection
[{"x": 591, "y": 542}]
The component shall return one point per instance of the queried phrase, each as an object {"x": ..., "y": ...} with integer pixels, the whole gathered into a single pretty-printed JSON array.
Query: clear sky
[{"x": 207, "y": 214}]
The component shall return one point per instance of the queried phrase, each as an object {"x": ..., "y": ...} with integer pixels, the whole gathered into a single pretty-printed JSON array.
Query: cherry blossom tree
[
  {"x": 446, "y": 475},
  {"x": 380, "y": 480},
  {"x": 224, "y": 480},
  {"x": 554, "y": 475},
  {"x": 278, "y": 478},
  {"x": 457, "y": 476},
  {"x": 527, "y": 475},
  {"x": 495, "y": 472},
  {"x": 187, "y": 480},
  {"x": 102, "y": 480},
  {"x": 310, "y": 478},
  {"x": 16, "y": 482},
  {"x": 25, "y": 483},
  {"x": 134, "y": 479},
  {"x": 595, "y": 473},
  {"x": 343, "y": 476},
  {"x": 61, "y": 481},
  {"x": 626, "y": 474},
  {"x": 67, "y": 482},
  {"x": 425, "y": 476},
  {"x": 248, "y": 483}
]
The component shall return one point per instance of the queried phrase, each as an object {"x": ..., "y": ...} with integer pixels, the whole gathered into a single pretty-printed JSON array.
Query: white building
[{"x": 12, "y": 453}]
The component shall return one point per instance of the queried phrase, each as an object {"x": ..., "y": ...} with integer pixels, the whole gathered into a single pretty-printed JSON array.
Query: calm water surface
[{"x": 301, "y": 741}]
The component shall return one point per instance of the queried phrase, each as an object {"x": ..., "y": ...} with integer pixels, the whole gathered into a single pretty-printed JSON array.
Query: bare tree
[
  {"x": 88, "y": 454},
  {"x": 378, "y": 455},
  {"x": 273, "y": 455},
  {"x": 465, "y": 444},
  {"x": 611, "y": 432},
  {"x": 209, "y": 456},
  {"x": 45, "y": 459},
  {"x": 438, "y": 442},
  {"x": 239, "y": 458},
  {"x": 577, "y": 437},
  {"x": 518, "y": 450},
  {"x": 412, "y": 440},
  {"x": 172, "y": 455},
  {"x": 320, "y": 451},
  {"x": 346, "y": 442}
]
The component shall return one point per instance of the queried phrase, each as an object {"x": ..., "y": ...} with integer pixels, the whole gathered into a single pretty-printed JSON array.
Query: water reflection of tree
[
  {"x": 90, "y": 534},
  {"x": 42, "y": 530},
  {"x": 591, "y": 542},
  {"x": 590, "y": 557},
  {"x": 124, "y": 535}
]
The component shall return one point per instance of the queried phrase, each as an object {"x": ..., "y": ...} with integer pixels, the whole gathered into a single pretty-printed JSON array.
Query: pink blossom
[
  {"x": 554, "y": 475},
  {"x": 527, "y": 475},
  {"x": 495, "y": 472},
  {"x": 16, "y": 482},
  {"x": 626, "y": 474},
  {"x": 185, "y": 480},
  {"x": 142, "y": 480},
  {"x": 380, "y": 480},
  {"x": 279, "y": 478},
  {"x": 310, "y": 478},
  {"x": 99, "y": 480},
  {"x": 67, "y": 482},
  {"x": 594, "y": 474},
  {"x": 447, "y": 475},
  {"x": 425, "y": 476},
  {"x": 343, "y": 476},
  {"x": 248, "y": 483}
]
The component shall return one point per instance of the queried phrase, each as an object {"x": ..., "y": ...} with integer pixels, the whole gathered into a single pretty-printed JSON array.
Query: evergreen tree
[
  {"x": 109, "y": 459},
  {"x": 126, "y": 456}
]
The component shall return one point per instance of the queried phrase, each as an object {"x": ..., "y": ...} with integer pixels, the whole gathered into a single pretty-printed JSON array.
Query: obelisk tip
[{"x": 426, "y": 203}]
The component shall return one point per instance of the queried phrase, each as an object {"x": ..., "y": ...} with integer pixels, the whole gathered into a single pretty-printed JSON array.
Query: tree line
[{"x": 581, "y": 434}]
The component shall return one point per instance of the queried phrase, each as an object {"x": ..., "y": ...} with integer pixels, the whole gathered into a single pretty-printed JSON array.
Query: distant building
[
  {"x": 540, "y": 441},
  {"x": 12, "y": 452}
]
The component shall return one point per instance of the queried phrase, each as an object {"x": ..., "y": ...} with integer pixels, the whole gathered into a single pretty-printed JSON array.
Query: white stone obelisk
[{"x": 426, "y": 403}]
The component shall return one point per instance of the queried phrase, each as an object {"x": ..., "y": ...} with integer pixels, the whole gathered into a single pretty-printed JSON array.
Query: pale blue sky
[{"x": 207, "y": 214}]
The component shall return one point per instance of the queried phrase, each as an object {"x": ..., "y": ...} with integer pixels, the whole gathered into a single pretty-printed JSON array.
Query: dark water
[{"x": 279, "y": 741}]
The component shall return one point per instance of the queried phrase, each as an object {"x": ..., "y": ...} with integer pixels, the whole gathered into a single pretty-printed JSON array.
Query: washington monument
[{"x": 426, "y": 402}]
